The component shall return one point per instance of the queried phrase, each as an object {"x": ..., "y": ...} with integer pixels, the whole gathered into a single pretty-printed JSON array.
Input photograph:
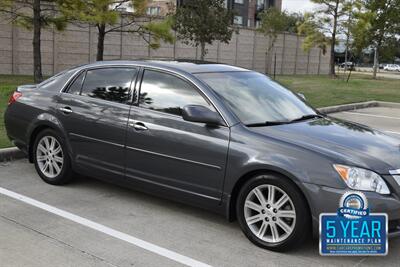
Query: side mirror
[
  {"x": 302, "y": 96},
  {"x": 197, "y": 113}
]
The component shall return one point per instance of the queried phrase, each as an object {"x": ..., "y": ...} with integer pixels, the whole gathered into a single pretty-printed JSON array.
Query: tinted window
[
  {"x": 167, "y": 93},
  {"x": 112, "y": 84},
  {"x": 255, "y": 98},
  {"x": 57, "y": 82},
  {"x": 76, "y": 86}
]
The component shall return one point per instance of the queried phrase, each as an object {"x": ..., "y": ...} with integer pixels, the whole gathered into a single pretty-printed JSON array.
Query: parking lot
[
  {"x": 382, "y": 118},
  {"x": 92, "y": 223}
]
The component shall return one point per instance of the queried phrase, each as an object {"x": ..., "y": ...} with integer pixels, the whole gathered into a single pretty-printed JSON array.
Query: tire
[
  {"x": 44, "y": 154},
  {"x": 266, "y": 225}
]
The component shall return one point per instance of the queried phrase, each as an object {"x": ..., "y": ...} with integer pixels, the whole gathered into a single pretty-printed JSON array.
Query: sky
[{"x": 297, "y": 5}]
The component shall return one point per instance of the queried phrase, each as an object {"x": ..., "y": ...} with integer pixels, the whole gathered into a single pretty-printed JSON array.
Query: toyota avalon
[{"x": 216, "y": 136}]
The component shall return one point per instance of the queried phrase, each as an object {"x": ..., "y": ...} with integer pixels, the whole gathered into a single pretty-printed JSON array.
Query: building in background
[
  {"x": 247, "y": 11},
  {"x": 155, "y": 8},
  {"x": 160, "y": 7}
]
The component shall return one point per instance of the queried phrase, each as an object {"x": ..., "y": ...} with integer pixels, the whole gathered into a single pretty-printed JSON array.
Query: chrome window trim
[
  {"x": 185, "y": 78},
  {"x": 144, "y": 66},
  {"x": 73, "y": 76},
  {"x": 76, "y": 75},
  {"x": 87, "y": 68},
  {"x": 72, "y": 79}
]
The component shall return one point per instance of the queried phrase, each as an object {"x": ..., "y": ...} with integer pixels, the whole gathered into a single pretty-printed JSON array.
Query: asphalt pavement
[
  {"x": 381, "y": 118},
  {"x": 93, "y": 223}
]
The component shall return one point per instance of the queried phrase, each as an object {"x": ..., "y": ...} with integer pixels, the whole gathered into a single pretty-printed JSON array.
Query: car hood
[{"x": 342, "y": 141}]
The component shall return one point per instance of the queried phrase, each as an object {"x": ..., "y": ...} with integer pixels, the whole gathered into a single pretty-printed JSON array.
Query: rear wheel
[
  {"x": 272, "y": 213},
  {"x": 50, "y": 158}
]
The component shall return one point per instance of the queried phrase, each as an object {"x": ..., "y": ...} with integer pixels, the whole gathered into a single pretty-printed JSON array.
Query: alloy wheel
[
  {"x": 269, "y": 213},
  {"x": 49, "y": 156}
]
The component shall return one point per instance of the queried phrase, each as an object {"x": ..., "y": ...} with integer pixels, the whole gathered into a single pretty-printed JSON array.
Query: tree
[
  {"x": 378, "y": 24},
  {"x": 351, "y": 7},
  {"x": 321, "y": 27},
  {"x": 34, "y": 15},
  {"x": 390, "y": 50},
  {"x": 314, "y": 37},
  {"x": 201, "y": 22},
  {"x": 294, "y": 20},
  {"x": 274, "y": 21},
  {"x": 107, "y": 16}
]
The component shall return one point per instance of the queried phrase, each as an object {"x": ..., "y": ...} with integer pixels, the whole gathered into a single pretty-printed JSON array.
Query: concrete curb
[
  {"x": 354, "y": 106},
  {"x": 11, "y": 153},
  {"x": 388, "y": 104},
  {"x": 347, "y": 107}
]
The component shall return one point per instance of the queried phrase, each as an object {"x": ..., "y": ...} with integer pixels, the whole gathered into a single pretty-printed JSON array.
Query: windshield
[{"x": 256, "y": 99}]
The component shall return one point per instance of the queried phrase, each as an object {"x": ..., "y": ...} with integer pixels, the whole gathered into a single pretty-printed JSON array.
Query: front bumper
[{"x": 324, "y": 199}]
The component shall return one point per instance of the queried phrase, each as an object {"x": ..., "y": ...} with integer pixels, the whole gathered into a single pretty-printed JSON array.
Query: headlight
[{"x": 362, "y": 179}]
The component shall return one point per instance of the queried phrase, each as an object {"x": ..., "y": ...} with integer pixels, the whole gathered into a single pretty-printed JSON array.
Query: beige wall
[{"x": 77, "y": 45}]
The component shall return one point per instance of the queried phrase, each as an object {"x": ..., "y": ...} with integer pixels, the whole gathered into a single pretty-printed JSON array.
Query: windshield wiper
[
  {"x": 270, "y": 123},
  {"x": 306, "y": 117},
  {"x": 267, "y": 123}
]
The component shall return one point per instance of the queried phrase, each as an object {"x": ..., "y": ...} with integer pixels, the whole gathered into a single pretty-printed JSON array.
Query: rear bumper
[
  {"x": 326, "y": 200},
  {"x": 15, "y": 128},
  {"x": 18, "y": 143}
]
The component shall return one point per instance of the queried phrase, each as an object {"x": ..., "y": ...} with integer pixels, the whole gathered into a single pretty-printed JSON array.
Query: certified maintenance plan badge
[{"x": 353, "y": 230}]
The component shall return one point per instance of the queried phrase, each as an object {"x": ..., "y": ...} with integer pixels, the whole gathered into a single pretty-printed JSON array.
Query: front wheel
[
  {"x": 272, "y": 213},
  {"x": 51, "y": 159}
]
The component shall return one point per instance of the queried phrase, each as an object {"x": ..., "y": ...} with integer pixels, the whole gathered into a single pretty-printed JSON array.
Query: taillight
[{"x": 14, "y": 97}]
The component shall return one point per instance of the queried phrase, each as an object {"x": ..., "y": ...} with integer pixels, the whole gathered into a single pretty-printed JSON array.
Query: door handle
[
  {"x": 66, "y": 110},
  {"x": 139, "y": 126}
]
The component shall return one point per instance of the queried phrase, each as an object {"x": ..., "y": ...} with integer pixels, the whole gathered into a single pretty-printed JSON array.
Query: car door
[
  {"x": 168, "y": 152},
  {"x": 94, "y": 111}
]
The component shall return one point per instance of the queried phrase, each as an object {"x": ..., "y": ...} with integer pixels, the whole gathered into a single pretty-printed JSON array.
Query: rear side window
[
  {"x": 57, "y": 82},
  {"x": 111, "y": 84},
  {"x": 168, "y": 93},
  {"x": 76, "y": 86}
]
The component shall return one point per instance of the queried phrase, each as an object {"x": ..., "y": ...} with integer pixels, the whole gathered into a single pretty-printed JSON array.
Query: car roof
[{"x": 190, "y": 66}]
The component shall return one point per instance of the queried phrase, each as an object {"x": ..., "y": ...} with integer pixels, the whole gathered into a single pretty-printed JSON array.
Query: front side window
[
  {"x": 168, "y": 93},
  {"x": 111, "y": 84},
  {"x": 256, "y": 99}
]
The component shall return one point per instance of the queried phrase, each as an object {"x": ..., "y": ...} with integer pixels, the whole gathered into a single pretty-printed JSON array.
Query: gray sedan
[{"x": 215, "y": 136}]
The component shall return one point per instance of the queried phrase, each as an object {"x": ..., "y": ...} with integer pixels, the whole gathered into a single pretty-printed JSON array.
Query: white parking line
[
  {"x": 371, "y": 115},
  {"x": 106, "y": 230}
]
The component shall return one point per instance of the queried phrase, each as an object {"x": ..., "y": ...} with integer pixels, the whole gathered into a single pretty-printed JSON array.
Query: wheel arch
[
  {"x": 231, "y": 205},
  {"x": 43, "y": 122}
]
